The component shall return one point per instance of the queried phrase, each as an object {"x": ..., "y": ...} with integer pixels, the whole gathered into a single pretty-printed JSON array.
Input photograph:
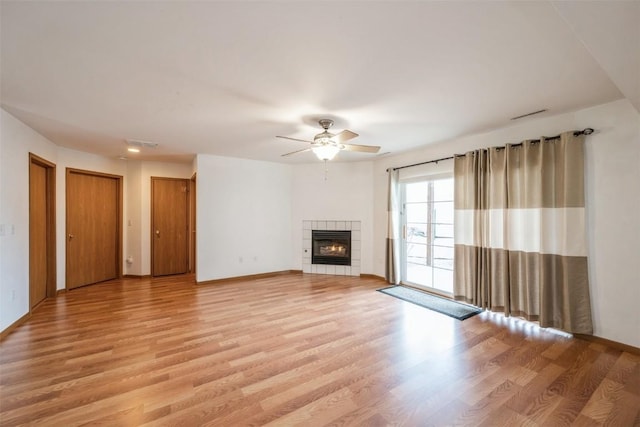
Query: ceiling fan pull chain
[{"x": 326, "y": 169}]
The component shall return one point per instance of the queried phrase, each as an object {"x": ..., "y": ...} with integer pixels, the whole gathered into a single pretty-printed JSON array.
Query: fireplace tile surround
[{"x": 337, "y": 270}]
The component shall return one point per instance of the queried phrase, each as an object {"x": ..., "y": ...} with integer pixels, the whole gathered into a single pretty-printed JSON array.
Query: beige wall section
[
  {"x": 612, "y": 203},
  {"x": 132, "y": 222}
]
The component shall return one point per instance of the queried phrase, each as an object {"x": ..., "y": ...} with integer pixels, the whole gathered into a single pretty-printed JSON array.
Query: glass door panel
[{"x": 428, "y": 234}]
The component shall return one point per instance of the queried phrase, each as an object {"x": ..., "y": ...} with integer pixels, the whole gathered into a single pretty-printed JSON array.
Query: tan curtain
[
  {"x": 520, "y": 238},
  {"x": 392, "y": 268}
]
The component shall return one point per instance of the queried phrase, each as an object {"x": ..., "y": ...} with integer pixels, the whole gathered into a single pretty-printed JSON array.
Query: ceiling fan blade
[
  {"x": 343, "y": 136},
  {"x": 361, "y": 148},
  {"x": 295, "y": 139},
  {"x": 296, "y": 152}
]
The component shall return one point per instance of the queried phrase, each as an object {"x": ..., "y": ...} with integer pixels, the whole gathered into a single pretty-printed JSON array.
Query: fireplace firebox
[{"x": 331, "y": 247}]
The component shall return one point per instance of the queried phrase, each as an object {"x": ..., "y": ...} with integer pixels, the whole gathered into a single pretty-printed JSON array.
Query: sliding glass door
[{"x": 428, "y": 233}]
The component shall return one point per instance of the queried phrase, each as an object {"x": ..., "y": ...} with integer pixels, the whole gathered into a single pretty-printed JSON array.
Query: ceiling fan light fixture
[
  {"x": 325, "y": 152},
  {"x": 326, "y": 145}
]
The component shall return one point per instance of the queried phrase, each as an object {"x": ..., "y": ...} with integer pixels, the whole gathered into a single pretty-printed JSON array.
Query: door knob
[
  {"x": 157, "y": 233},
  {"x": 70, "y": 236}
]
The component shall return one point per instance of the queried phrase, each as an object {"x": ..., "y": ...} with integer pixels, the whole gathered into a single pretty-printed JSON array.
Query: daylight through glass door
[{"x": 428, "y": 234}]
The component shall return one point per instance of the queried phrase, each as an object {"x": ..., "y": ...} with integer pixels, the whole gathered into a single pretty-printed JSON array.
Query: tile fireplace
[{"x": 331, "y": 248}]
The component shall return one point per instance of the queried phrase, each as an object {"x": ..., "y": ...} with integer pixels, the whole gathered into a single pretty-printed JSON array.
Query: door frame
[
  {"x": 192, "y": 224},
  {"x": 50, "y": 191},
  {"x": 118, "y": 203}
]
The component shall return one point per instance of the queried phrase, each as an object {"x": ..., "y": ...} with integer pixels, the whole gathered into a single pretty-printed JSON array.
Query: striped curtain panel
[
  {"x": 392, "y": 267},
  {"x": 520, "y": 239}
]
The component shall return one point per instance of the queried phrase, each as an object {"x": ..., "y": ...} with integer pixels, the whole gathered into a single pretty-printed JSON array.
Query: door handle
[
  {"x": 157, "y": 233},
  {"x": 70, "y": 236}
]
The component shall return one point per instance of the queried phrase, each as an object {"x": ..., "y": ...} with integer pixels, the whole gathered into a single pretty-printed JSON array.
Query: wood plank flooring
[{"x": 298, "y": 350}]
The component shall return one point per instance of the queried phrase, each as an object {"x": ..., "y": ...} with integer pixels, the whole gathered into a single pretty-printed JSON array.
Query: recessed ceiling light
[{"x": 133, "y": 150}]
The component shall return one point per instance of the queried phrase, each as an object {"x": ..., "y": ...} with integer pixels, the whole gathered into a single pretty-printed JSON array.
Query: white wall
[
  {"x": 347, "y": 194},
  {"x": 613, "y": 217},
  {"x": 243, "y": 216},
  {"x": 613, "y": 203},
  {"x": 16, "y": 141}
]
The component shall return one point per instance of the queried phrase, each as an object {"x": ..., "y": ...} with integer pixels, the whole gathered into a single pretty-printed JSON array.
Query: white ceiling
[{"x": 225, "y": 77}]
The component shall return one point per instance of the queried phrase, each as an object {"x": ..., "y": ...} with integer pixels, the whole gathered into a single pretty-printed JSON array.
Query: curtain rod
[
  {"x": 585, "y": 131},
  {"x": 422, "y": 163}
]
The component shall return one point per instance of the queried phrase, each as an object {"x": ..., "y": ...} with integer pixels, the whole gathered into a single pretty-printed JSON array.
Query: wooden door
[
  {"x": 93, "y": 227},
  {"x": 42, "y": 259},
  {"x": 169, "y": 226}
]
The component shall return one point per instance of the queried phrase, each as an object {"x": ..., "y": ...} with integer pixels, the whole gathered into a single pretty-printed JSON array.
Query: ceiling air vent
[
  {"x": 144, "y": 144},
  {"x": 528, "y": 114}
]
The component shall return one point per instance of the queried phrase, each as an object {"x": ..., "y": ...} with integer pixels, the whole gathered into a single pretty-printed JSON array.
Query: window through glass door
[{"x": 428, "y": 234}]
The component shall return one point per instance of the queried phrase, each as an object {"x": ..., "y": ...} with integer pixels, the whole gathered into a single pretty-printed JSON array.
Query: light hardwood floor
[{"x": 298, "y": 350}]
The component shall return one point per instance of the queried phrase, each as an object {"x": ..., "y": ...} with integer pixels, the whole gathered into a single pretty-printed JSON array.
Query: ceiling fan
[{"x": 326, "y": 145}]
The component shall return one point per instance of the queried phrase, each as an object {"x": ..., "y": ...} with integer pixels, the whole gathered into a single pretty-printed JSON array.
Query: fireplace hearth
[{"x": 331, "y": 247}]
